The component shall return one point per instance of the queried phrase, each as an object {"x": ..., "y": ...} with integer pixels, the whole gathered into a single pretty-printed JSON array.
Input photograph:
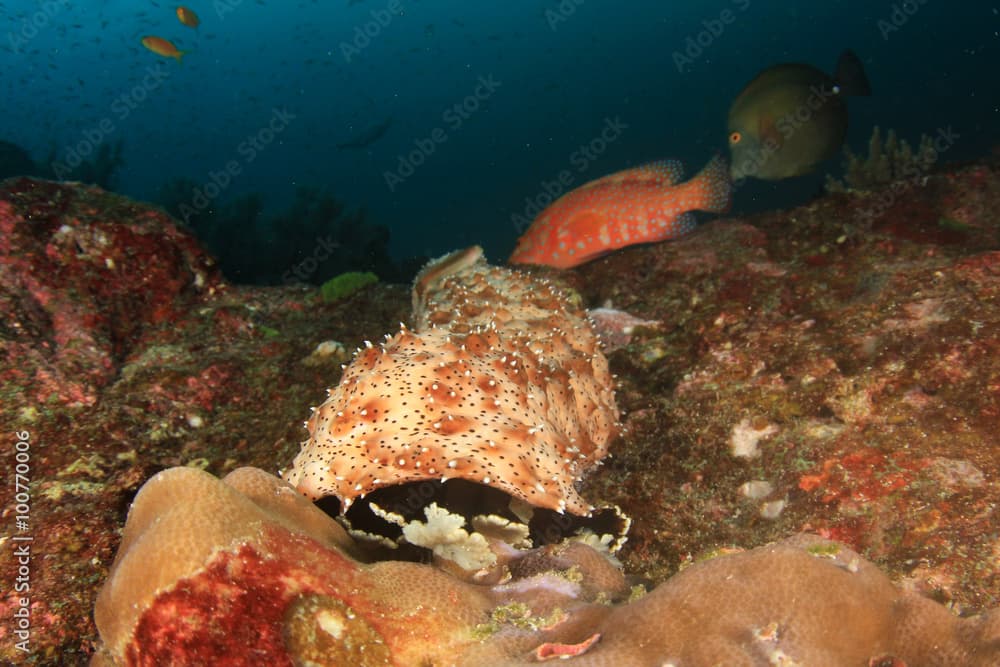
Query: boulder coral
[{"x": 246, "y": 571}]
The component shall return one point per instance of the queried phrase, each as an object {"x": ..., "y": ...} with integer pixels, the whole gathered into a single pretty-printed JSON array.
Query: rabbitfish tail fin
[{"x": 850, "y": 75}]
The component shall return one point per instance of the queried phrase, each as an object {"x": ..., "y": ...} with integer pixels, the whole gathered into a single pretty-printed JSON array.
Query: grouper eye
[{"x": 735, "y": 138}]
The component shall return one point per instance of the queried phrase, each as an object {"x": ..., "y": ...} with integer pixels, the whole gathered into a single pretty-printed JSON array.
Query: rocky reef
[{"x": 831, "y": 370}]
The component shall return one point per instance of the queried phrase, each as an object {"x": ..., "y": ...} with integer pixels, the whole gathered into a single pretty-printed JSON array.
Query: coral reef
[
  {"x": 123, "y": 352},
  {"x": 311, "y": 242},
  {"x": 211, "y": 570},
  {"x": 887, "y": 161},
  {"x": 859, "y": 369},
  {"x": 862, "y": 361}
]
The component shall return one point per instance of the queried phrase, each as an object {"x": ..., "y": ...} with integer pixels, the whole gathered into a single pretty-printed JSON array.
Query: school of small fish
[{"x": 166, "y": 48}]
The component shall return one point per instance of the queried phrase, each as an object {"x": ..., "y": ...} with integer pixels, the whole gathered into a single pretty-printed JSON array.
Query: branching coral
[{"x": 886, "y": 162}]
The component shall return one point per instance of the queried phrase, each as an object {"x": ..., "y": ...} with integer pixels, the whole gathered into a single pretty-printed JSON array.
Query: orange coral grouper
[
  {"x": 640, "y": 205},
  {"x": 162, "y": 47}
]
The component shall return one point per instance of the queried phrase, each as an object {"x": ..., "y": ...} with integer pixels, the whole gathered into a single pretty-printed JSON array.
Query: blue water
[{"x": 534, "y": 81}]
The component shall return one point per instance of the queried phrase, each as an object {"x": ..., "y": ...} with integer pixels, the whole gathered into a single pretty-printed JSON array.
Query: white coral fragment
[
  {"x": 772, "y": 509},
  {"x": 444, "y": 533},
  {"x": 745, "y": 437},
  {"x": 505, "y": 530},
  {"x": 756, "y": 489}
]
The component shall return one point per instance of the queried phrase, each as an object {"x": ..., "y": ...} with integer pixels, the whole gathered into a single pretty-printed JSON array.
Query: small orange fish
[
  {"x": 641, "y": 205},
  {"x": 162, "y": 47},
  {"x": 188, "y": 17}
]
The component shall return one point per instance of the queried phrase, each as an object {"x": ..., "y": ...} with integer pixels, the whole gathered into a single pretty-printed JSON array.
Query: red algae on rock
[{"x": 85, "y": 277}]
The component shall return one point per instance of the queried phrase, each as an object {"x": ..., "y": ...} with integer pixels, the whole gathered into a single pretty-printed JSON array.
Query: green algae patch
[
  {"x": 268, "y": 332},
  {"x": 518, "y": 615},
  {"x": 952, "y": 225},
  {"x": 92, "y": 465},
  {"x": 824, "y": 550},
  {"x": 636, "y": 592},
  {"x": 346, "y": 284},
  {"x": 56, "y": 491}
]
